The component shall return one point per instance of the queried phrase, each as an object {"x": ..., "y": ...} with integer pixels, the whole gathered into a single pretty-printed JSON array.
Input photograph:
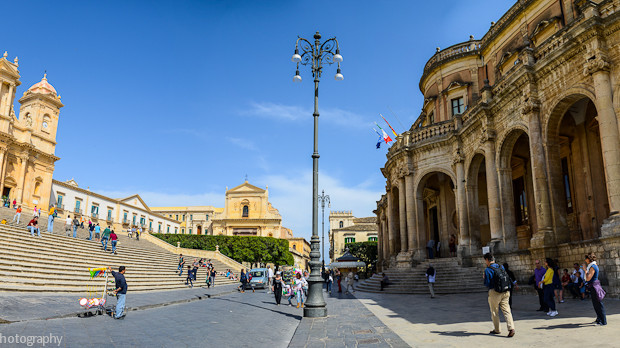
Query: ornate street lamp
[
  {"x": 323, "y": 198},
  {"x": 315, "y": 55}
]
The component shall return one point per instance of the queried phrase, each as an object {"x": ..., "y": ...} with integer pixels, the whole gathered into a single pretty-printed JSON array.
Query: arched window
[
  {"x": 341, "y": 224},
  {"x": 246, "y": 211}
]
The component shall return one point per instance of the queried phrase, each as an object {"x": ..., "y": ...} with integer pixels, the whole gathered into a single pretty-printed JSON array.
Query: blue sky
[{"x": 175, "y": 100}]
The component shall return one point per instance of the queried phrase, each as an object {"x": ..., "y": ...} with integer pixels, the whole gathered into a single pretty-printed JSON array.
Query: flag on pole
[
  {"x": 393, "y": 131},
  {"x": 380, "y": 138},
  {"x": 385, "y": 136}
]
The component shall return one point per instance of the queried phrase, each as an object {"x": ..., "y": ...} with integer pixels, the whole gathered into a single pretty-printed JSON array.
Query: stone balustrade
[{"x": 471, "y": 46}]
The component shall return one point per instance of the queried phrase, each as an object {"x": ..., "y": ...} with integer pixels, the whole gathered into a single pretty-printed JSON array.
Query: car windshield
[{"x": 257, "y": 274}]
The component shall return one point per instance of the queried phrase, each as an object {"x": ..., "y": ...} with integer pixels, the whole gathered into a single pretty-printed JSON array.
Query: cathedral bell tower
[{"x": 38, "y": 114}]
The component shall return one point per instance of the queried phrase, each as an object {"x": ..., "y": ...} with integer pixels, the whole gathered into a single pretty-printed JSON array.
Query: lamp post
[
  {"x": 323, "y": 198},
  {"x": 315, "y": 55}
]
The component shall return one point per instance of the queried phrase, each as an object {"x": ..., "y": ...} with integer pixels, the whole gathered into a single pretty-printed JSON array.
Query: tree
[{"x": 366, "y": 252}]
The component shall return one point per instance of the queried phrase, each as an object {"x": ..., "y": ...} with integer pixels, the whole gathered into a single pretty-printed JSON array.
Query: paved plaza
[
  {"x": 464, "y": 320},
  {"x": 223, "y": 317}
]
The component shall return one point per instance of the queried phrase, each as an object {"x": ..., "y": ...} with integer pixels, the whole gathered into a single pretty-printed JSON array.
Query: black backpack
[{"x": 501, "y": 280}]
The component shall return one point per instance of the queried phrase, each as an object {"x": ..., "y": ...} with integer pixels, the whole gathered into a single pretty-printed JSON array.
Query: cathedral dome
[{"x": 43, "y": 87}]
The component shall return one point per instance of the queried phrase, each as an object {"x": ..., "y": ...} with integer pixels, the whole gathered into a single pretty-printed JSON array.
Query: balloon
[{"x": 83, "y": 302}]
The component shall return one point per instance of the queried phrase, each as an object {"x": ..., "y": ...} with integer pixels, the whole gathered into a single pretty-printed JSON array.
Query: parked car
[{"x": 259, "y": 278}]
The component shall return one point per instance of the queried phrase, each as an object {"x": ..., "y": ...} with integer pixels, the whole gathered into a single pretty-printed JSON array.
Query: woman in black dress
[{"x": 277, "y": 286}]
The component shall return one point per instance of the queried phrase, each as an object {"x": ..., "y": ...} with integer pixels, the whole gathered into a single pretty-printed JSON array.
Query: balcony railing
[
  {"x": 125, "y": 222},
  {"x": 77, "y": 211},
  {"x": 471, "y": 46},
  {"x": 94, "y": 215},
  {"x": 109, "y": 219},
  {"x": 60, "y": 207}
]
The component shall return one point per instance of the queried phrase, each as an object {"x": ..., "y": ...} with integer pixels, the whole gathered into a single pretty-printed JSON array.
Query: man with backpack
[{"x": 498, "y": 282}]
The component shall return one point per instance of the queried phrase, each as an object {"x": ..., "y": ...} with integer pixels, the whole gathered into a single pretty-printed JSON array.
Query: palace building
[
  {"x": 345, "y": 228},
  {"x": 517, "y": 147},
  {"x": 27, "y": 143}
]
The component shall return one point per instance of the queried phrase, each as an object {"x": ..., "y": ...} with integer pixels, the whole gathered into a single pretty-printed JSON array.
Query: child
[
  {"x": 288, "y": 292},
  {"x": 189, "y": 277},
  {"x": 581, "y": 285}
]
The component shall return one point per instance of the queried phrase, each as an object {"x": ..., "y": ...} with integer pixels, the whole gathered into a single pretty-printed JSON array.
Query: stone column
[
  {"x": 608, "y": 128},
  {"x": 461, "y": 201},
  {"x": 543, "y": 236},
  {"x": 386, "y": 238},
  {"x": 508, "y": 217},
  {"x": 402, "y": 215},
  {"x": 421, "y": 227},
  {"x": 412, "y": 238},
  {"x": 3, "y": 159},
  {"x": 379, "y": 243},
  {"x": 390, "y": 224},
  {"x": 23, "y": 163},
  {"x": 495, "y": 216}
]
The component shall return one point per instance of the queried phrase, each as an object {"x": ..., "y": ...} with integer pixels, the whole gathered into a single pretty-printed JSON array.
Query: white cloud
[
  {"x": 162, "y": 199},
  {"x": 335, "y": 116}
]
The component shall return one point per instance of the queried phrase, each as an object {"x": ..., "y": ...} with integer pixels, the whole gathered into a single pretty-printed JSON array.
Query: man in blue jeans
[{"x": 120, "y": 291}]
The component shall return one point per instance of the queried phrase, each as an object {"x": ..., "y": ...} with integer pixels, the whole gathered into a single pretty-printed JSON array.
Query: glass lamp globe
[
  {"x": 337, "y": 58},
  {"x": 338, "y": 76},
  {"x": 296, "y": 58},
  {"x": 297, "y": 78}
]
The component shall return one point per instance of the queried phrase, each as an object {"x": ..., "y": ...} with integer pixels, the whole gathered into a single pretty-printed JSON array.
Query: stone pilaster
[
  {"x": 23, "y": 164},
  {"x": 390, "y": 225},
  {"x": 412, "y": 237}
]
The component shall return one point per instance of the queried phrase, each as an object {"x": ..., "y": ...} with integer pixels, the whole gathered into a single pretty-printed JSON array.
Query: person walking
[
  {"x": 120, "y": 291},
  {"x": 297, "y": 288},
  {"x": 430, "y": 278},
  {"x": 349, "y": 282},
  {"x": 91, "y": 229},
  {"x": 50, "y": 219},
  {"x": 277, "y": 287},
  {"x": 104, "y": 238},
  {"x": 76, "y": 224},
  {"x": 195, "y": 268},
  {"x": 557, "y": 283},
  {"x": 18, "y": 214},
  {"x": 113, "y": 239},
  {"x": 539, "y": 273},
  {"x": 68, "y": 223},
  {"x": 181, "y": 264},
  {"x": 269, "y": 278},
  {"x": 97, "y": 232},
  {"x": 548, "y": 287},
  {"x": 244, "y": 280},
  {"x": 513, "y": 283},
  {"x": 189, "y": 278},
  {"x": 14, "y": 203},
  {"x": 330, "y": 280},
  {"x": 33, "y": 226},
  {"x": 430, "y": 245},
  {"x": 339, "y": 279},
  {"x": 497, "y": 281},
  {"x": 212, "y": 275},
  {"x": 596, "y": 291}
]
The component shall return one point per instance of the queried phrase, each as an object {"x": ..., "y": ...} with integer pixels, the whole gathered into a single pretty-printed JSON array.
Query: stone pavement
[
  {"x": 348, "y": 324},
  {"x": 464, "y": 320},
  {"x": 21, "y": 306},
  {"x": 231, "y": 320}
]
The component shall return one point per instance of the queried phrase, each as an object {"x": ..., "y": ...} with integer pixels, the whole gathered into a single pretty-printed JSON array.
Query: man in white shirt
[
  {"x": 430, "y": 277},
  {"x": 269, "y": 279},
  {"x": 68, "y": 223}
]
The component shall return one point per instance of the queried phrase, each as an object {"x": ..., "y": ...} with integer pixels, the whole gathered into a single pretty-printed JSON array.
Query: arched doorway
[
  {"x": 517, "y": 190},
  {"x": 198, "y": 229},
  {"x": 577, "y": 174},
  {"x": 436, "y": 211}
]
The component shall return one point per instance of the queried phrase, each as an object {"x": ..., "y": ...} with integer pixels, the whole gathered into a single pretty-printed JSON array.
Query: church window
[
  {"x": 458, "y": 107},
  {"x": 566, "y": 182},
  {"x": 183, "y": 217},
  {"x": 59, "y": 201},
  {"x": 246, "y": 211},
  {"x": 431, "y": 118},
  {"x": 191, "y": 217},
  {"x": 341, "y": 224},
  {"x": 207, "y": 217}
]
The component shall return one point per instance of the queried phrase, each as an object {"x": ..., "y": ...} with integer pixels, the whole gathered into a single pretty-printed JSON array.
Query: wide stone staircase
[
  {"x": 451, "y": 278},
  {"x": 55, "y": 262}
]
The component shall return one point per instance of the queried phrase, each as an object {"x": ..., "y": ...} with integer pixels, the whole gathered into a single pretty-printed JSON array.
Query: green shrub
[{"x": 241, "y": 249}]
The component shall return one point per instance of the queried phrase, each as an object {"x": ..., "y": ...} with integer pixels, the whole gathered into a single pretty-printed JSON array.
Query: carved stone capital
[
  {"x": 458, "y": 158},
  {"x": 403, "y": 169},
  {"x": 530, "y": 105},
  {"x": 595, "y": 64}
]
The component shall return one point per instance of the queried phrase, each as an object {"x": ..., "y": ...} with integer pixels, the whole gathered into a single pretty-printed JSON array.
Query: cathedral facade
[
  {"x": 27, "y": 143},
  {"x": 517, "y": 148}
]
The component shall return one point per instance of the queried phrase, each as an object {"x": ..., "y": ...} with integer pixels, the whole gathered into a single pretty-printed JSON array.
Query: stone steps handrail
[{"x": 206, "y": 254}]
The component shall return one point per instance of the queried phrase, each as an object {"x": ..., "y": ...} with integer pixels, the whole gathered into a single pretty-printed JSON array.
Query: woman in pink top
[{"x": 113, "y": 239}]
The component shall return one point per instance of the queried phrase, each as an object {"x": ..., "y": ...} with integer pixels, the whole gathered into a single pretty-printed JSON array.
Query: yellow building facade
[
  {"x": 300, "y": 248},
  {"x": 192, "y": 219},
  {"x": 345, "y": 228},
  {"x": 27, "y": 143}
]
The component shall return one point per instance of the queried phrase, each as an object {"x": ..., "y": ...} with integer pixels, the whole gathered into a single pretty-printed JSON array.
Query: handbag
[{"x": 597, "y": 290}]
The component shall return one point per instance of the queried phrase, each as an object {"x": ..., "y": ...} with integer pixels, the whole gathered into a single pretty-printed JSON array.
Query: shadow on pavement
[
  {"x": 564, "y": 326},
  {"x": 459, "y": 333},
  {"x": 290, "y": 315}
]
